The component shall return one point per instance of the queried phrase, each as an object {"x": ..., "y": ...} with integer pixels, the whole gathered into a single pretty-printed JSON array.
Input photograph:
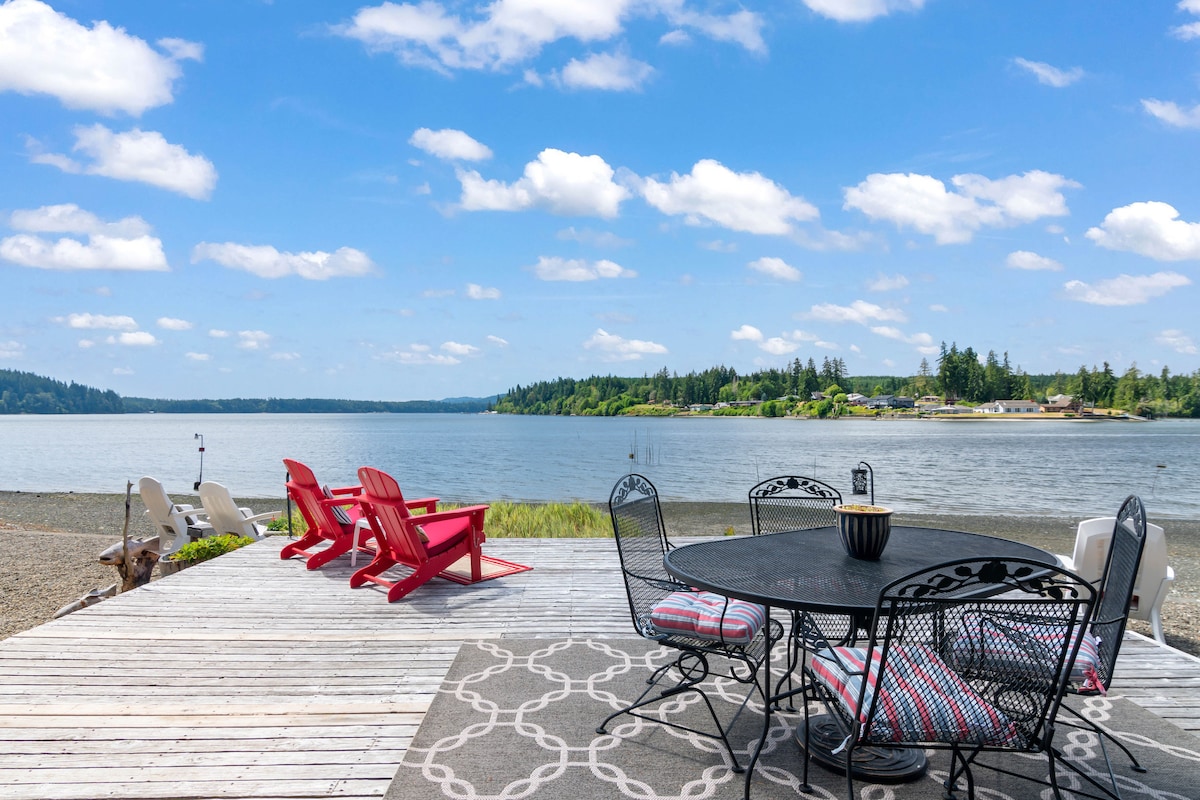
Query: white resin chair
[
  {"x": 171, "y": 520},
  {"x": 1154, "y": 577},
  {"x": 227, "y": 517}
]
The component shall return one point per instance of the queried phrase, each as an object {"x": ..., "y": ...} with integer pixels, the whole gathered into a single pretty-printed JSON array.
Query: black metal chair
[
  {"x": 796, "y": 503},
  {"x": 969, "y": 656},
  {"x": 727, "y": 644},
  {"x": 1093, "y": 670}
]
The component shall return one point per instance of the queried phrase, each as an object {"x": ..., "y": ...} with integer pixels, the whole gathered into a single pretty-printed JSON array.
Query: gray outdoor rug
[{"x": 516, "y": 719}]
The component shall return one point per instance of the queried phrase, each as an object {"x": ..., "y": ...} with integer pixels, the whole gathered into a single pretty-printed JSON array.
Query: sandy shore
[{"x": 50, "y": 541}]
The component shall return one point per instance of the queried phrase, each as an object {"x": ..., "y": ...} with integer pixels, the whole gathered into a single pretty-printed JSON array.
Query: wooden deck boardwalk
[{"x": 251, "y": 677}]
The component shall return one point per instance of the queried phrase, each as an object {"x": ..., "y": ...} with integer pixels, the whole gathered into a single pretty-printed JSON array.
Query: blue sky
[{"x": 419, "y": 200}]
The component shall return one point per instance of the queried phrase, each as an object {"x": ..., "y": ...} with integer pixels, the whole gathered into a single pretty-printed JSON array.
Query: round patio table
[{"x": 810, "y": 571}]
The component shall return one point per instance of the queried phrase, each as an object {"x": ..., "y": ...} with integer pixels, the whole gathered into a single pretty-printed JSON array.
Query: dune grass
[{"x": 505, "y": 520}]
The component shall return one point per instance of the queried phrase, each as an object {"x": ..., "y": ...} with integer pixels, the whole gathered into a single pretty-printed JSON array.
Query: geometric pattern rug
[{"x": 517, "y": 719}]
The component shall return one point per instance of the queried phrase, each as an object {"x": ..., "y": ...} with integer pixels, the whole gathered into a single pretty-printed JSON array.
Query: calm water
[{"x": 1033, "y": 468}]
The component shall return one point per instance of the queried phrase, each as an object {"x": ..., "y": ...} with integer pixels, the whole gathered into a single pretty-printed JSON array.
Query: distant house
[
  {"x": 890, "y": 401},
  {"x": 817, "y": 396},
  {"x": 700, "y": 407},
  {"x": 949, "y": 410},
  {"x": 1060, "y": 402},
  {"x": 1009, "y": 407},
  {"x": 744, "y": 403},
  {"x": 856, "y": 399}
]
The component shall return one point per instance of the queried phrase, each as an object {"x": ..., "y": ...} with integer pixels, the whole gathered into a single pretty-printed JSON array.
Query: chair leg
[
  {"x": 371, "y": 571},
  {"x": 1087, "y": 724},
  {"x": 337, "y": 547},
  {"x": 300, "y": 546},
  {"x": 1156, "y": 625}
]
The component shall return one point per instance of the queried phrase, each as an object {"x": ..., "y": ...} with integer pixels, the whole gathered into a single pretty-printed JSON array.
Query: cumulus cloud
[
  {"x": 859, "y": 311},
  {"x": 612, "y": 347},
  {"x": 458, "y": 349},
  {"x": 197, "y": 356},
  {"x": 419, "y": 354},
  {"x": 10, "y": 350},
  {"x": 172, "y": 324},
  {"x": 217, "y": 333},
  {"x": 449, "y": 144},
  {"x": 267, "y": 262},
  {"x": 122, "y": 245},
  {"x": 477, "y": 292},
  {"x": 1172, "y": 114},
  {"x": 611, "y": 72},
  {"x": 775, "y": 268},
  {"x": 253, "y": 340},
  {"x": 1125, "y": 290},
  {"x": 788, "y": 342},
  {"x": 924, "y": 202},
  {"x": 923, "y": 342},
  {"x": 137, "y": 155},
  {"x": 552, "y": 268},
  {"x": 1151, "y": 229},
  {"x": 507, "y": 33},
  {"x": 1024, "y": 259},
  {"x": 98, "y": 322},
  {"x": 745, "y": 201},
  {"x": 285, "y": 356},
  {"x": 746, "y": 333},
  {"x": 1049, "y": 75},
  {"x": 100, "y": 68},
  {"x": 562, "y": 183},
  {"x": 496, "y": 340},
  {"x": 1178, "y": 341},
  {"x": 1192, "y": 29},
  {"x": 861, "y": 10},
  {"x": 887, "y": 283},
  {"x": 133, "y": 339}
]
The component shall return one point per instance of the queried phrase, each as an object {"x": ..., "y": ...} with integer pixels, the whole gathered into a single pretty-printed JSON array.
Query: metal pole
[{"x": 200, "y": 480}]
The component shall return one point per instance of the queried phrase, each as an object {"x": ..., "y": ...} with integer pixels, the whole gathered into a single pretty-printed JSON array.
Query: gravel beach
[{"x": 49, "y": 544}]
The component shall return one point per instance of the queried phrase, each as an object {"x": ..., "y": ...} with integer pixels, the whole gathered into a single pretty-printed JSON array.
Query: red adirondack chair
[
  {"x": 428, "y": 544},
  {"x": 331, "y": 518}
]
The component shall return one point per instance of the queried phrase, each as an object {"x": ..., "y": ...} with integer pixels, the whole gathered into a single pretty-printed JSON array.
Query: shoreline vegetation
[{"x": 51, "y": 541}]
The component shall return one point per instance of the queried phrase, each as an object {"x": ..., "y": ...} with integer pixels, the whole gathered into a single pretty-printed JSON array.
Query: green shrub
[
  {"x": 210, "y": 547},
  {"x": 280, "y": 524},
  {"x": 507, "y": 520}
]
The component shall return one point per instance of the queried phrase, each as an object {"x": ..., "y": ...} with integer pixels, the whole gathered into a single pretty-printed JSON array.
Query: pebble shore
[{"x": 49, "y": 543}]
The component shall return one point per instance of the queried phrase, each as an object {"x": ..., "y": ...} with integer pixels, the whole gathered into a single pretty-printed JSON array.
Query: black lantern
[
  {"x": 859, "y": 480},
  {"x": 196, "y": 485}
]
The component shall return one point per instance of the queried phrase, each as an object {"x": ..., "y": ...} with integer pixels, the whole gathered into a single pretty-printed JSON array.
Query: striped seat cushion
[
  {"x": 339, "y": 513},
  {"x": 921, "y": 700},
  {"x": 706, "y": 615},
  {"x": 999, "y": 644}
]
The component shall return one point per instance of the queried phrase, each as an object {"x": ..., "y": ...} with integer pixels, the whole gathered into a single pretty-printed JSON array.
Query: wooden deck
[{"x": 251, "y": 677}]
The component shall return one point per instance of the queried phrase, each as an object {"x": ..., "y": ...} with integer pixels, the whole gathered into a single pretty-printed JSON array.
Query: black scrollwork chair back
[
  {"x": 792, "y": 503},
  {"x": 1097, "y": 661},
  {"x": 967, "y": 656},
  {"x": 737, "y": 654}
]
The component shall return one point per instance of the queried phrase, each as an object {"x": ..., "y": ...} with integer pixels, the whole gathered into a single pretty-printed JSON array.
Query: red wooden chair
[
  {"x": 437, "y": 543},
  {"x": 331, "y": 517}
]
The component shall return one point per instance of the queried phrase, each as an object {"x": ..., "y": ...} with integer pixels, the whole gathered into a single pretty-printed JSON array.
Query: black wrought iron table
[{"x": 810, "y": 571}]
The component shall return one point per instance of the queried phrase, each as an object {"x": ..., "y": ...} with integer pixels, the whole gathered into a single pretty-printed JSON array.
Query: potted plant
[
  {"x": 864, "y": 529},
  {"x": 202, "y": 550}
]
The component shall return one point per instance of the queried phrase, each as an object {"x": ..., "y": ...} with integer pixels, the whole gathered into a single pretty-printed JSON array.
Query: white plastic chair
[
  {"x": 1154, "y": 575},
  {"x": 170, "y": 519},
  {"x": 227, "y": 517}
]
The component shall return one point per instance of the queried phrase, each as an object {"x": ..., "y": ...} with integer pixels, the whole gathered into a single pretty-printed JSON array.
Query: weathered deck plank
[{"x": 250, "y": 677}]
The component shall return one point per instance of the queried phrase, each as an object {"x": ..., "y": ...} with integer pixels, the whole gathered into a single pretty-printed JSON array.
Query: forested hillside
[{"x": 26, "y": 393}]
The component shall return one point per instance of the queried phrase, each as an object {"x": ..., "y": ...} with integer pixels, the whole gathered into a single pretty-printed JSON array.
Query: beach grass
[{"x": 506, "y": 520}]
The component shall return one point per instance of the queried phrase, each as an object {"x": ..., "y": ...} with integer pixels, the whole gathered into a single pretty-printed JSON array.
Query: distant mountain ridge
[{"x": 27, "y": 393}]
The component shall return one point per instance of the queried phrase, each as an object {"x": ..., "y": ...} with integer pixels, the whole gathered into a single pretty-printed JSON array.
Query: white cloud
[
  {"x": 70, "y": 218},
  {"x": 197, "y": 356},
  {"x": 859, "y": 311},
  {"x": 496, "y": 340},
  {"x": 216, "y": 333},
  {"x": 144, "y": 253},
  {"x": 747, "y": 333},
  {"x": 267, "y": 262},
  {"x": 923, "y": 342},
  {"x": 1178, "y": 341},
  {"x": 1187, "y": 32},
  {"x": 10, "y": 350},
  {"x": 457, "y": 349},
  {"x": 1024, "y": 259},
  {"x": 553, "y": 268},
  {"x": 887, "y": 283},
  {"x": 776, "y": 268},
  {"x": 1151, "y": 229},
  {"x": 510, "y": 32},
  {"x": 590, "y": 237},
  {"x": 558, "y": 182},
  {"x": 122, "y": 371},
  {"x": 133, "y": 339},
  {"x": 745, "y": 201},
  {"x": 1172, "y": 114},
  {"x": 419, "y": 354},
  {"x": 139, "y": 155},
  {"x": 449, "y": 144},
  {"x": 923, "y": 202},
  {"x": 1125, "y": 290},
  {"x": 477, "y": 292},
  {"x": 86, "y": 344},
  {"x": 605, "y": 71},
  {"x": 253, "y": 340},
  {"x": 182, "y": 49},
  {"x": 787, "y": 342},
  {"x": 285, "y": 356},
  {"x": 616, "y": 348},
  {"x": 939, "y": 308},
  {"x": 861, "y": 10},
  {"x": 436, "y": 293},
  {"x": 1049, "y": 75},
  {"x": 101, "y": 68},
  {"x": 98, "y": 322},
  {"x": 172, "y": 324}
]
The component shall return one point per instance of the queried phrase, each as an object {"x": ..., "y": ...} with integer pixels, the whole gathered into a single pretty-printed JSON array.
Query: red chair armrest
[
  {"x": 346, "y": 490},
  {"x": 427, "y": 503},
  {"x": 465, "y": 511}
]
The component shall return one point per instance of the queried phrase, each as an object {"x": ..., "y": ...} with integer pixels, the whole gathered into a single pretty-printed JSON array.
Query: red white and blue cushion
[
  {"x": 707, "y": 615},
  {"x": 997, "y": 644},
  {"x": 922, "y": 698}
]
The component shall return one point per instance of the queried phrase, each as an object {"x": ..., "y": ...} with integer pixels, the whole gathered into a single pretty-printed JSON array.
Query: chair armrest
[
  {"x": 266, "y": 515},
  {"x": 465, "y": 511},
  {"x": 346, "y": 490},
  {"x": 427, "y": 503}
]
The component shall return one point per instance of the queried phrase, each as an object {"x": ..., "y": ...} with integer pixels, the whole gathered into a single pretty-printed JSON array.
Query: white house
[{"x": 1009, "y": 407}]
